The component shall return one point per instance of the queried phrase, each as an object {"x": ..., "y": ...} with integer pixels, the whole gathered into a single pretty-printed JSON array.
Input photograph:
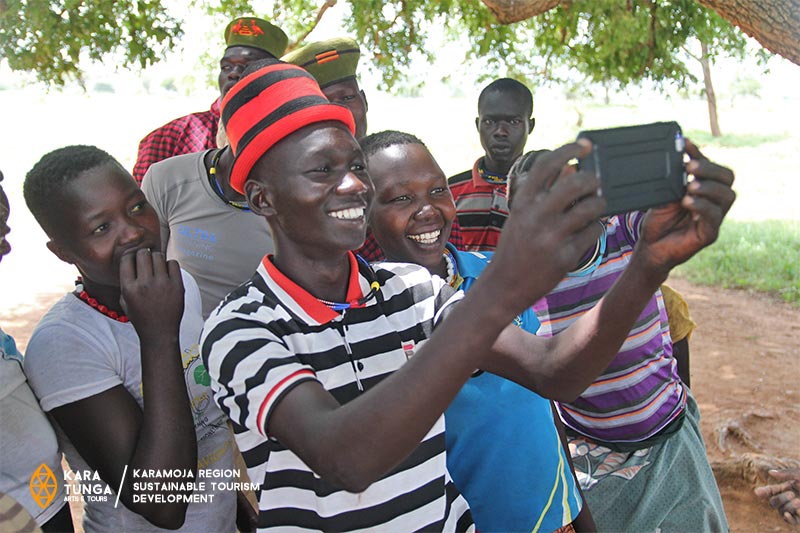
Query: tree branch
[
  {"x": 327, "y": 5},
  {"x": 690, "y": 54}
]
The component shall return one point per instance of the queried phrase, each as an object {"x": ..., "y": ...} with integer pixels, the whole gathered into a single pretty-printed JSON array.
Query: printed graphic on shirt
[
  {"x": 196, "y": 242},
  {"x": 408, "y": 348}
]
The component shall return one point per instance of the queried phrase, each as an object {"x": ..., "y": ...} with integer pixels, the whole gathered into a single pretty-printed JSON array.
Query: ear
[
  {"x": 259, "y": 198},
  {"x": 364, "y": 96},
  {"x": 532, "y": 122},
  {"x": 61, "y": 251},
  {"x": 478, "y": 123}
]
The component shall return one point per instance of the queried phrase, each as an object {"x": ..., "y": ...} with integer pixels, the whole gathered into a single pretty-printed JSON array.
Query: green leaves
[
  {"x": 51, "y": 37},
  {"x": 603, "y": 41}
]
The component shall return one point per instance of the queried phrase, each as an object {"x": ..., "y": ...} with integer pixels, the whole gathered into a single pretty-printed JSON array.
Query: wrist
[{"x": 650, "y": 271}]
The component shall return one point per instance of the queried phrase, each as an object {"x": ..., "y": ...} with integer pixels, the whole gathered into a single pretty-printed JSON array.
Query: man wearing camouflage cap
[
  {"x": 333, "y": 64},
  {"x": 247, "y": 39}
]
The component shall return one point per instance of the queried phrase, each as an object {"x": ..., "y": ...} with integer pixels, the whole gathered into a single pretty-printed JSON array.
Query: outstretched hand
[
  {"x": 674, "y": 233},
  {"x": 783, "y": 496},
  {"x": 152, "y": 292},
  {"x": 553, "y": 221}
]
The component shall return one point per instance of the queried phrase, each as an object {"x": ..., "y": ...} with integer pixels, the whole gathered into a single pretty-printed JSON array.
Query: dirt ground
[
  {"x": 744, "y": 360},
  {"x": 746, "y": 378}
]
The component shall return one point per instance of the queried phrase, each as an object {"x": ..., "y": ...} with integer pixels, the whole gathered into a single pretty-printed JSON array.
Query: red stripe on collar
[{"x": 307, "y": 301}]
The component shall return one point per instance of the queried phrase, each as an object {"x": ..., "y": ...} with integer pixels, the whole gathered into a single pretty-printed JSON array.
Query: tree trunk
[
  {"x": 774, "y": 24},
  {"x": 711, "y": 98}
]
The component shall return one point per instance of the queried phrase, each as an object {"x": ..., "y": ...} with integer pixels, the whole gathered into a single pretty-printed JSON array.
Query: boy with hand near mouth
[{"x": 116, "y": 362}]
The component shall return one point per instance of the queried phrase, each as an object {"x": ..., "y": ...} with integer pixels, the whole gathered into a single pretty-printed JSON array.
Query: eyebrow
[{"x": 103, "y": 212}]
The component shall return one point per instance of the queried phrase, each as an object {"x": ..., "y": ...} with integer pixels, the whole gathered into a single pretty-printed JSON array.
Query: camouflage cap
[
  {"x": 331, "y": 61},
  {"x": 256, "y": 33}
]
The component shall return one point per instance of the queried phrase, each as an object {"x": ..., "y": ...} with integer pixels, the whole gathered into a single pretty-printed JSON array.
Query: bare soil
[{"x": 745, "y": 376}]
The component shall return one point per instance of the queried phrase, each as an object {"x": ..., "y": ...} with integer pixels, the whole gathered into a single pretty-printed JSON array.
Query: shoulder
[
  {"x": 252, "y": 301},
  {"x": 414, "y": 286},
  {"x": 175, "y": 170},
  {"x": 68, "y": 323},
  {"x": 73, "y": 351},
  {"x": 168, "y": 181},
  {"x": 460, "y": 178},
  {"x": 398, "y": 276},
  {"x": 471, "y": 264}
]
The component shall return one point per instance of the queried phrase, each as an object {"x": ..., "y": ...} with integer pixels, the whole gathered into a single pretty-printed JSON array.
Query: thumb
[{"x": 789, "y": 474}]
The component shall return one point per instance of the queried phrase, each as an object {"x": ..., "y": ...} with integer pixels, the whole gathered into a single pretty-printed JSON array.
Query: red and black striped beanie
[{"x": 268, "y": 105}]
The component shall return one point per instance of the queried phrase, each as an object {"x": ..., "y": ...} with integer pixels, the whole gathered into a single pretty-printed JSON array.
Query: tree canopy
[{"x": 604, "y": 41}]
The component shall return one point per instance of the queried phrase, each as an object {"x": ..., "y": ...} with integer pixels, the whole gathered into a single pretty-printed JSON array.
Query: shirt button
[{"x": 360, "y": 366}]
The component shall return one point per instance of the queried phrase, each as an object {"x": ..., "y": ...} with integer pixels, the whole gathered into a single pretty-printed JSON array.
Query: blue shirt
[{"x": 503, "y": 449}]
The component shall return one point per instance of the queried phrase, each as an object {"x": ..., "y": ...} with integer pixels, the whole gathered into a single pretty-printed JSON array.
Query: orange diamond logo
[{"x": 43, "y": 486}]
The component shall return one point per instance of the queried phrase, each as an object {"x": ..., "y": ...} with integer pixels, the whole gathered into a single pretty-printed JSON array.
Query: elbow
[
  {"x": 346, "y": 471},
  {"x": 352, "y": 479},
  {"x": 562, "y": 393},
  {"x": 565, "y": 396}
]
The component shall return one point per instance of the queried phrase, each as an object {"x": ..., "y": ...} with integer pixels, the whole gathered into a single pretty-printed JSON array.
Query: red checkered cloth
[
  {"x": 184, "y": 135},
  {"x": 372, "y": 252}
]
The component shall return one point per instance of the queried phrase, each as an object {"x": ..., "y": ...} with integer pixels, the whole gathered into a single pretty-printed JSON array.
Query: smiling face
[
  {"x": 348, "y": 94},
  {"x": 4, "y": 213},
  {"x": 102, "y": 216},
  {"x": 314, "y": 191},
  {"x": 503, "y": 124},
  {"x": 413, "y": 211},
  {"x": 233, "y": 63}
]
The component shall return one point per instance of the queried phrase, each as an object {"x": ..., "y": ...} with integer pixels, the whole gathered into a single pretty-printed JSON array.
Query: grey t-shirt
[
  {"x": 220, "y": 245},
  {"x": 76, "y": 352},
  {"x": 30, "y": 461}
]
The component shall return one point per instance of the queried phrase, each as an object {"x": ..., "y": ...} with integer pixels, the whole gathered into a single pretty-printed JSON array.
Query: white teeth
[
  {"x": 352, "y": 213},
  {"x": 426, "y": 238}
]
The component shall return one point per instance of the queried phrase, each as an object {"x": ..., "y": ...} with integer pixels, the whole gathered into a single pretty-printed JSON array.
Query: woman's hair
[{"x": 384, "y": 139}]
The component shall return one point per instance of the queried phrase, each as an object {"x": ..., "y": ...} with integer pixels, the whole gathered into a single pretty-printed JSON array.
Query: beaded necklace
[
  {"x": 83, "y": 295},
  {"x": 454, "y": 279},
  {"x": 592, "y": 261},
  {"x": 491, "y": 177},
  {"x": 374, "y": 287},
  {"x": 212, "y": 179}
]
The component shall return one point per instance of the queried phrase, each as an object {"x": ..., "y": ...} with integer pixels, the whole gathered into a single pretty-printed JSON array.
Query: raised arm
[
  {"x": 353, "y": 445},
  {"x": 109, "y": 430},
  {"x": 563, "y": 366}
]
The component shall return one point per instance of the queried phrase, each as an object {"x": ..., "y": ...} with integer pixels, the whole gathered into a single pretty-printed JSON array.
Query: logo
[
  {"x": 243, "y": 28},
  {"x": 201, "y": 376},
  {"x": 325, "y": 57},
  {"x": 43, "y": 486},
  {"x": 408, "y": 348}
]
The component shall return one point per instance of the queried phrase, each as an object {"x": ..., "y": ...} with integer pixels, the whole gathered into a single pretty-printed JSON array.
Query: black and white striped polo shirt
[{"x": 270, "y": 334}]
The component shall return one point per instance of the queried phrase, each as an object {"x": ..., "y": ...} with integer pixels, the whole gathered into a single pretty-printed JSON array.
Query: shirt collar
[
  {"x": 478, "y": 182},
  {"x": 308, "y": 303}
]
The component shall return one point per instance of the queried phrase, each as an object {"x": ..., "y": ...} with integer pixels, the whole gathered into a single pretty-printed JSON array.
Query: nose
[
  {"x": 502, "y": 129},
  {"x": 131, "y": 233},
  {"x": 235, "y": 73},
  {"x": 426, "y": 212},
  {"x": 353, "y": 184}
]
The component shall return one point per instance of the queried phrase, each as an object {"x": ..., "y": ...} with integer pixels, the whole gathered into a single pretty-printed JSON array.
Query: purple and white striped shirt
[{"x": 640, "y": 392}]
